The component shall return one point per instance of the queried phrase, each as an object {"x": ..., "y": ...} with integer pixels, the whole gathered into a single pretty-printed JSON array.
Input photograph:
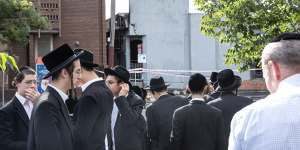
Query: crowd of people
[{"x": 106, "y": 113}]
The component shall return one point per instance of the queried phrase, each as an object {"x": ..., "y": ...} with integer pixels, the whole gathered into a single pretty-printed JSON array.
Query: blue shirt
[{"x": 272, "y": 123}]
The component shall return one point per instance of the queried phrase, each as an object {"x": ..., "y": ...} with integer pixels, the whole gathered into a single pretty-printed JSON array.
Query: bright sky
[{"x": 123, "y": 6}]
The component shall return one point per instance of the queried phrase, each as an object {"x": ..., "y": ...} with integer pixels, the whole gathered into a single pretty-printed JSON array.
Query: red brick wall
[
  {"x": 257, "y": 84},
  {"x": 83, "y": 21}
]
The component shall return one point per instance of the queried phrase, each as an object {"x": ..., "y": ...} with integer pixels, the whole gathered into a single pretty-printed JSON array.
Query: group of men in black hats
[
  {"x": 175, "y": 123},
  {"x": 108, "y": 114},
  {"x": 102, "y": 118}
]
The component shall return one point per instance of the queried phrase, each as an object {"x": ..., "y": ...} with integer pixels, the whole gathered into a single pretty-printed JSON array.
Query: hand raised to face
[{"x": 124, "y": 89}]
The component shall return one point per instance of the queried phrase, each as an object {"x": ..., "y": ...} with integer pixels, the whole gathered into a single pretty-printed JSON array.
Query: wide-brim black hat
[
  {"x": 120, "y": 72},
  {"x": 59, "y": 58},
  {"x": 87, "y": 58},
  {"x": 157, "y": 83},
  {"x": 227, "y": 81}
]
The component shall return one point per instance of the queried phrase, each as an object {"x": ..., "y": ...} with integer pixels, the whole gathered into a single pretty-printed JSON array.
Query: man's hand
[
  {"x": 124, "y": 89},
  {"x": 31, "y": 95}
]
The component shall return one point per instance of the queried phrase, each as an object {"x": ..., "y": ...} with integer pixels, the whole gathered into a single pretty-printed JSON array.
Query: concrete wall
[
  {"x": 164, "y": 27},
  {"x": 172, "y": 40}
]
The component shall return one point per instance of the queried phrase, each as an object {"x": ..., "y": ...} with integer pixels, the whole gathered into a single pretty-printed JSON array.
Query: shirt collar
[
  {"x": 63, "y": 95},
  {"x": 290, "y": 85},
  {"x": 198, "y": 99},
  {"x": 20, "y": 98},
  {"x": 85, "y": 85}
]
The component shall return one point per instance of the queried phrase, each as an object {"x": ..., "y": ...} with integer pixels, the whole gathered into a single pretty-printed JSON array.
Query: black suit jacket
[
  {"x": 130, "y": 127},
  {"x": 229, "y": 104},
  {"x": 92, "y": 117},
  {"x": 198, "y": 126},
  {"x": 159, "y": 120},
  {"x": 13, "y": 126},
  {"x": 50, "y": 124}
]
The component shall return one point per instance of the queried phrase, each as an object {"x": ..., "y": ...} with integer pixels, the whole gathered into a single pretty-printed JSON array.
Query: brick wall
[
  {"x": 256, "y": 84},
  {"x": 83, "y": 21}
]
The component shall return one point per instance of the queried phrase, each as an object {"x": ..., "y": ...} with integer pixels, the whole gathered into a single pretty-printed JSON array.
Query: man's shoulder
[
  {"x": 97, "y": 85},
  {"x": 215, "y": 101},
  {"x": 175, "y": 99},
  {"x": 46, "y": 98},
  {"x": 9, "y": 106},
  {"x": 253, "y": 109},
  {"x": 244, "y": 99},
  {"x": 136, "y": 99},
  {"x": 231, "y": 100},
  {"x": 97, "y": 89},
  {"x": 185, "y": 108}
]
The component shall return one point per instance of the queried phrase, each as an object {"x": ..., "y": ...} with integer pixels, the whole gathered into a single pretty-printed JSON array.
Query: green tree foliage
[
  {"x": 247, "y": 25},
  {"x": 17, "y": 18},
  {"x": 5, "y": 60}
]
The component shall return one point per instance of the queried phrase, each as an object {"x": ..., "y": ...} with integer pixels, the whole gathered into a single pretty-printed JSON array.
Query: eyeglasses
[{"x": 29, "y": 82}]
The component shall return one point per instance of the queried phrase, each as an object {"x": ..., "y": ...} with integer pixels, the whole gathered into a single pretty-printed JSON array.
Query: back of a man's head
[
  {"x": 197, "y": 83},
  {"x": 284, "y": 49}
]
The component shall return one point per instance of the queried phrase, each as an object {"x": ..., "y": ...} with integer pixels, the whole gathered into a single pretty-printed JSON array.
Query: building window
[{"x": 44, "y": 44}]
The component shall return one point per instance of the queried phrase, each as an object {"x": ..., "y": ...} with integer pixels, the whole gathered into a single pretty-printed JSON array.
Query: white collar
[
  {"x": 62, "y": 94},
  {"x": 290, "y": 85},
  {"x": 198, "y": 99},
  {"x": 20, "y": 98},
  {"x": 85, "y": 85}
]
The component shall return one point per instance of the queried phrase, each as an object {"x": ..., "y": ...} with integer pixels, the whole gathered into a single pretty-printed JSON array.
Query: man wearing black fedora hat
[
  {"x": 50, "y": 124},
  {"x": 93, "y": 110},
  {"x": 127, "y": 123},
  {"x": 160, "y": 113},
  {"x": 228, "y": 100}
]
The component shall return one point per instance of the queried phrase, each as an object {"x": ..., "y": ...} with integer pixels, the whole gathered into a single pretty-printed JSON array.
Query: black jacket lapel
[
  {"x": 21, "y": 111},
  {"x": 63, "y": 107}
]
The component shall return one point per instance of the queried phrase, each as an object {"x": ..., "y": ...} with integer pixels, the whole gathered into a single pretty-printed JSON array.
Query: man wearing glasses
[{"x": 15, "y": 115}]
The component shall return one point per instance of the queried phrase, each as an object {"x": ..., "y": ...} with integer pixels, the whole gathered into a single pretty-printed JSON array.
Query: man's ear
[
  {"x": 276, "y": 71},
  {"x": 64, "y": 73}
]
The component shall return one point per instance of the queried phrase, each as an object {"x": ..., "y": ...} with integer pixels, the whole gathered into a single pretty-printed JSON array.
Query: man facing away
[
  {"x": 159, "y": 114},
  {"x": 273, "y": 123},
  {"x": 229, "y": 102},
  {"x": 93, "y": 110},
  {"x": 50, "y": 125},
  {"x": 127, "y": 123},
  {"x": 15, "y": 115},
  {"x": 197, "y": 126}
]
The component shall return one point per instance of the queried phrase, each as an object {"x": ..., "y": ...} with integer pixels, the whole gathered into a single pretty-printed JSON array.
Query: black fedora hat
[
  {"x": 87, "y": 58},
  {"x": 120, "y": 72},
  {"x": 59, "y": 58},
  {"x": 157, "y": 83},
  {"x": 228, "y": 81},
  {"x": 213, "y": 77}
]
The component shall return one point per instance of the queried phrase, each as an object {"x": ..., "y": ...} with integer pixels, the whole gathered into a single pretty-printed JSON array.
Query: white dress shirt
[
  {"x": 272, "y": 123},
  {"x": 114, "y": 116},
  {"x": 27, "y": 104}
]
